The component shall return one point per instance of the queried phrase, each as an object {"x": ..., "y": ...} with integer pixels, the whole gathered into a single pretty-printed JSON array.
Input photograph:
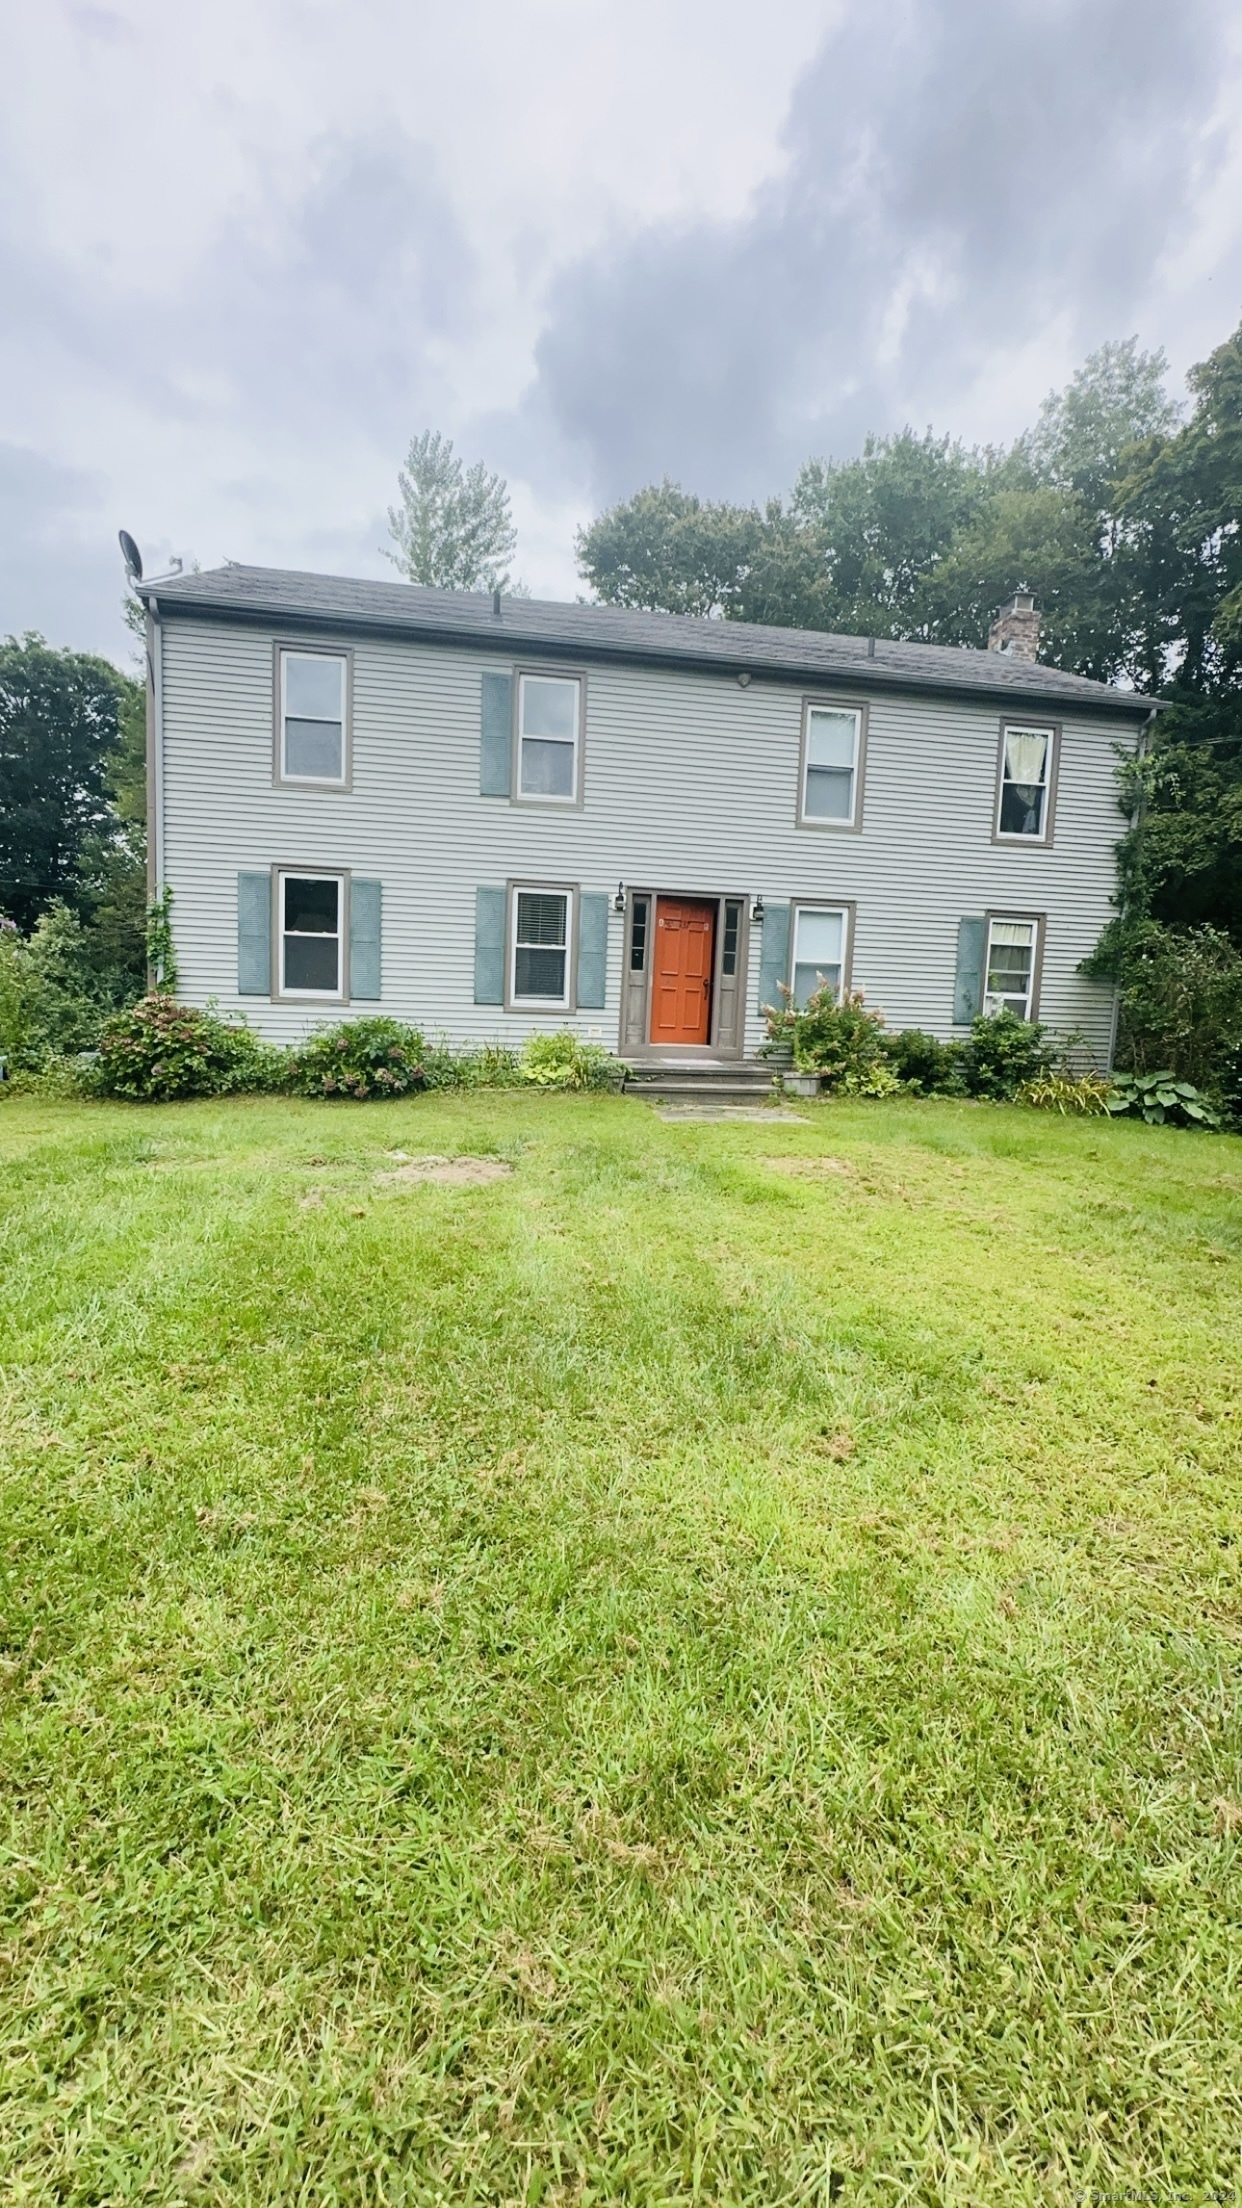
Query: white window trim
[
  {"x": 339, "y": 995},
  {"x": 1051, "y": 730},
  {"x": 536, "y": 797},
  {"x": 542, "y": 889},
  {"x": 852, "y": 825},
  {"x": 341, "y": 781},
  {"x": 1015, "y": 920},
  {"x": 845, "y": 912}
]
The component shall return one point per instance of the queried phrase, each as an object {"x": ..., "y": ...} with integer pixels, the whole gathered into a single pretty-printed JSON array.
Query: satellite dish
[{"x": 131, "y": 556}]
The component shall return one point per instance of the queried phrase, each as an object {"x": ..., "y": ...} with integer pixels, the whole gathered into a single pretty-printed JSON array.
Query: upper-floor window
[
  {"x": 820, "y": 936},
  {"x": 549, "y": 719},
  {"x": 831, "y": 765},
  {"x": 1025, "y": 783},
  {"x": 311, "y": 934},
  {"x": 313, "y": 710},
  {"x": 1009, "y": 978}
]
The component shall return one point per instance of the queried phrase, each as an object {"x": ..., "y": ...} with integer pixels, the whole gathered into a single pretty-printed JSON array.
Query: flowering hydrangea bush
[
  {"x": 160, "y": 1050},
  {"x": 361, "y": 1059}
]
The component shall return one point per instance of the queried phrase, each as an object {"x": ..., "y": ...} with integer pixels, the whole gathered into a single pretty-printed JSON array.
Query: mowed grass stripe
[{"x": 662, "y": 1678}]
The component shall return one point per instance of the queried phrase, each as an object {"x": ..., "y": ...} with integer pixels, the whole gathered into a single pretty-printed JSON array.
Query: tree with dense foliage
[
  {"x": 60, "y": 729},
  {"x": 920, "y": 538},
  {"x": 72, "y": 846},
  {"x": 1180, "y": 506},
  {"x": 453, "y": 528}
]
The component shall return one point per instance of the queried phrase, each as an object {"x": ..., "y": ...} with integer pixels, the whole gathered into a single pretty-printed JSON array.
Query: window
[
  {"x": 1025, "y": 782},
  {"x": 732, "y": 930},
  {"x": 310, "y": 935},
  {"x": 638, "y": 935},
  {"x": 1009, "y": 980},
  {"x": 541, "y": 944},
  {"x": 832, "y": 740},
  {"x": 313, "y": 690},
  {"x": 549, "y": 713},
  {"x": 820, "y": 937}
]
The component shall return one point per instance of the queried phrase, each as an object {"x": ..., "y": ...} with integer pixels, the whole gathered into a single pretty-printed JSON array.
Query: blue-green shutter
[
  {"x": 496, "y": 743},
  {"x": 774, "y": 963},
  {"x": 968, "y": 985},
  {"x": 365, "y": 901},
  {"x": 489, "y": 946},
  {"x": 254, "y": 935},
  {"x": 592, "y": 952}
]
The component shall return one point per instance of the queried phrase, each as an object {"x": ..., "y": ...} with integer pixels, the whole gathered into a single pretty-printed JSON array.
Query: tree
[
  {"x": 882, "y": 524},
  {"x": 1181, "y": 511},
  {"x": 920, "y": 538},
  {"x": 453, "y": 528},
  {"x": 666, "y": 551},
  {"x": 1116, "y": 400},
  {"x": 60, "y": 715}
]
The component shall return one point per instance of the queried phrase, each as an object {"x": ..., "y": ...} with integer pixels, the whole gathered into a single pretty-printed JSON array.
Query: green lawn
[{"x": 703, "y": 1671}]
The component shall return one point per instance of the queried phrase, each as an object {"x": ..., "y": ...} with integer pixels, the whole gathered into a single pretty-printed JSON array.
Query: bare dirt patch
[{"x": 456, "y": 1172}]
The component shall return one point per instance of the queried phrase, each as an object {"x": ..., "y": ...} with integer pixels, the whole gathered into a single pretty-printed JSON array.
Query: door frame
[{"x": 635, "y": 1013}]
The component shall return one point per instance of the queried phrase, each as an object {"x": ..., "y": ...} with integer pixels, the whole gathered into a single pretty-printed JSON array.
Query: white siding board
[{"x": 690, "y": 784}]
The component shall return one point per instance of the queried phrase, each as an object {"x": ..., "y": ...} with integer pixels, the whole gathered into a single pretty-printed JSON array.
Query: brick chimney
[{"x": 1016, "y": 628}]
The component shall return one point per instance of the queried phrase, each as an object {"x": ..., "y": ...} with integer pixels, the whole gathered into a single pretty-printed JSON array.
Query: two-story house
[{"x": 489, "y": 816}]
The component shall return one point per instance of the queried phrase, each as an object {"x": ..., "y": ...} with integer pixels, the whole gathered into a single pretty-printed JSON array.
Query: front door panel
[{"x": 681, "y": 978}]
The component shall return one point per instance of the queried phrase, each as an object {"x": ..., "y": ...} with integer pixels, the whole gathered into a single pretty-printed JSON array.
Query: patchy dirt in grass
[
  {"x": 457, "y": 1172},
  {"x": 813, "y": 1169},
  {"x": 865, "y": 1180},
  {"x": 689, "y": 1115}
]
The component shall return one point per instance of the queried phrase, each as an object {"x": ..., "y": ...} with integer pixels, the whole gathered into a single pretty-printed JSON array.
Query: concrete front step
[
  {"x": 743, "y": 1073},
  {"x": 694, "y": 1088}
]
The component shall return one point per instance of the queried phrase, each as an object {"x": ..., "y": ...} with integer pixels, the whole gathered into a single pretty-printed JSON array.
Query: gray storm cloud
[
  {"x": 960, "y": 172},
  {"x": 960, "y": 179}
]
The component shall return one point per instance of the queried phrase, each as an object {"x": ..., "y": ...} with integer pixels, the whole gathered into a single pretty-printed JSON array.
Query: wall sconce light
[
  {"x": 756, "y": 911},
  {"x": 618, "y": 902}
]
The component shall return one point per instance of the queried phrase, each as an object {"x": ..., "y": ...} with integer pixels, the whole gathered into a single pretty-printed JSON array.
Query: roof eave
[{"x": 864, "y": 674}]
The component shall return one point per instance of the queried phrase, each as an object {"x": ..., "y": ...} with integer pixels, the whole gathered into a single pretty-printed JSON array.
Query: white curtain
[{"x": 1025, "y": 755}]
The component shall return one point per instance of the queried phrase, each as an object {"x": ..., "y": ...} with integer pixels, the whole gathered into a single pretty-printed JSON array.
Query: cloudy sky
[{"x": 249, "y": 248}]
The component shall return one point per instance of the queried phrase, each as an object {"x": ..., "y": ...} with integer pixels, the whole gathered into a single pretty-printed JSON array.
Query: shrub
[
  {"x": 877, "y": 1079},
  {"x": 1157, "y": 1097},
  {"x": 1180, "y": 998},
  {"x": 489, "y": 1066},
  {"x": 921, "y": 1063},
  {"x": 14, "y": 996},
  {"x": 1067, "y": 1093},
  {"x": 564, "y": 1061},
  {"x": 1230, "y": 1076},
  {"x": 1003, "y": 1054},
  {"x": 362, "y": 1059},
  {"x": 160, "y": 1050},
  {"x": 56, "y": 989},
  {"x": 842, "y": 1040}
]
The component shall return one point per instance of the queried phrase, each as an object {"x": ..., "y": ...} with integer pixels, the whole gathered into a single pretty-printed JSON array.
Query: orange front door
[{"x": 681, "y": 981}]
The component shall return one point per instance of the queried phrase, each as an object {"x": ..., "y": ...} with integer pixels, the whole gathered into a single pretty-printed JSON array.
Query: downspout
[{"x": 157, "y": 748}]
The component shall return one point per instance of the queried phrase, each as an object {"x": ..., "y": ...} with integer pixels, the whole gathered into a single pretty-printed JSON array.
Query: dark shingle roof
[{"x": 551, "y": 627}]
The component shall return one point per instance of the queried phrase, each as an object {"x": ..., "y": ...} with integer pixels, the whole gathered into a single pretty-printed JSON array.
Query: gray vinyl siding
[{"x": 690, "y": 785}]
